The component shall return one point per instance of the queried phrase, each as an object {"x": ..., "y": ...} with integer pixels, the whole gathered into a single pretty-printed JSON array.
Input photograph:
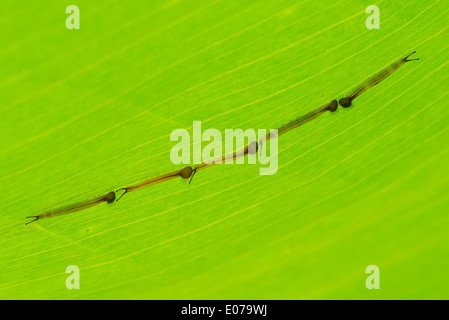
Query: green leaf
[{"x": 87, "y": 111}]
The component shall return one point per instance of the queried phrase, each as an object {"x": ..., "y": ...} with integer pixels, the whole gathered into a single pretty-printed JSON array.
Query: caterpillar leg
[
  {"x": 126, "y": 190},
  {"x": 193, "y": 173},
  {"x": 406, "y": 59},
  {"x": 35, "y": 219}
]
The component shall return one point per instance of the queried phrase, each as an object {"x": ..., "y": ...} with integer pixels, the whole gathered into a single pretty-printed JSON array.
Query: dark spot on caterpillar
[
  {"x": 333, "y": 106},
  {"x": 252, "y": 148},
  {"x": 110, "y": 197},
  {"x": 186, "y": 172},
  {"x": 345, "y": 102}
]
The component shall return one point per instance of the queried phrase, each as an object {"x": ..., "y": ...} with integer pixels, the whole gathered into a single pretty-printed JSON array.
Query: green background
[{"x": 87, "y": 111}]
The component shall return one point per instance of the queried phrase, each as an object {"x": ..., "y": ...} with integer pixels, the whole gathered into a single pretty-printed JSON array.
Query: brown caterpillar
[{"x": 373, "y": 81}]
